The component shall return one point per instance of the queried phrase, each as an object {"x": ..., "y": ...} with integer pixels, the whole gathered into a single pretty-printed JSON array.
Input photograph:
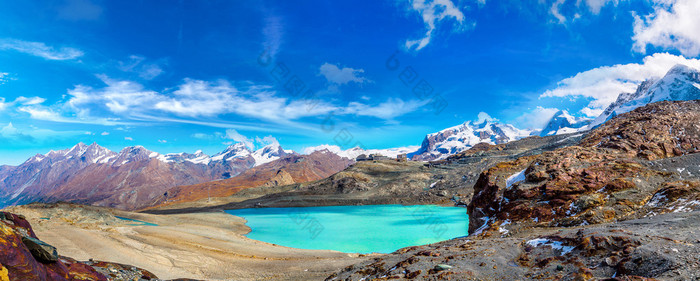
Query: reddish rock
[
  {"x": 600, "y": 180},
  {"x": 18, "y": 263}
]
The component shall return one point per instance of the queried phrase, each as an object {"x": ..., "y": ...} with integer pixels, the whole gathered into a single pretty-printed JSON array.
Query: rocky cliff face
[
  {"x": 25, "y": 257},
  {"x": 610, "y": 175}
]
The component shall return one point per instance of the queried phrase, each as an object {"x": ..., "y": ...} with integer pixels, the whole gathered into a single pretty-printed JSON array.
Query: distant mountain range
[
  {"x": 680, "y": 83},
  {"x": 135, "y": 177},
  {"x": 462, "y": 137}
]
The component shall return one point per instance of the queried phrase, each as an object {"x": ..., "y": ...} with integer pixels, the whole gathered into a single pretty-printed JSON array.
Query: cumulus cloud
[
  {"x": 674, "y": 24},
  {"x": 536, "y": 118},
  {"x": 332, "y": 148},
  {"x": 603, "y": 84},
  {"x": 433, "y": 12},
  {"x": 105, "y": 133},
  {"x": 237, "y": 137},
  {"x": 40, "y": 49},
  {"x": 342, "y": 76},
  {"x": 484, "y": 117},
  {"x": 128, "y": 138},
  {"x": 3, "y": 77},
  {"x": 268, "y": 140}
]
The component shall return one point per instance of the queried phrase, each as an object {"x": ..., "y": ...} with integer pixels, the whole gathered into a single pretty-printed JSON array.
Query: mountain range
[{"x": 136, "y": 177}]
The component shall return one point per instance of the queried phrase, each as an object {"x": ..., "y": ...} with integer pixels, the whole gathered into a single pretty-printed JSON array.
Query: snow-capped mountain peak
[
  {"x": 352, "y": 153},
  {"x": 268, "y": 153},
  {"x": 563, "y": 123},
  {"x": 132, "y": 154},
  {"x": 237, "y": 150},
  {"x": 456, "y": 139},
  {"x": 680, "y": 83}
]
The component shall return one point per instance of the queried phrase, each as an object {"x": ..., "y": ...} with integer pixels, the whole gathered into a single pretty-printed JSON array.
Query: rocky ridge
[{"x": 621, "y": 204}]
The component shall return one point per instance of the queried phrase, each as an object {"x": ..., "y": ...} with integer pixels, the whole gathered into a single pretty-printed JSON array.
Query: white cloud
[
  {"x": 197, "y": 102},
  {"x": 387, "y": 110},
  {"x": 20, "y": 101},
  {"x": 34, "y": 134},
  {"x": 556, "y": 13},
  {"x": 138, "y": 64},
  {"x": 3, "y": 77},
  {"x": 237, "y": 137},
  {"x": 674, "y": 24},
  {"x": 432, "y": 12},
  {"x": 40, "y": 49},
  {"x": 202, "y": 136},
  {"x": 162, "y": 141},
  {"x": 577, "y": 8},
  {"x": 332, "y": 148},
  {"x": 341, "y": 76},
  {"x": 128, "y": 138},
  {"x": 536, "y": 119},
  {"x": 483, "y": 117},
  {"x": 272, "y": 33},
  {"x": 268, "y": 140},
  {"x": 105, "y": 133},
  {"x": 604, "y": 84},
  {"x": 119, "y": 96}
]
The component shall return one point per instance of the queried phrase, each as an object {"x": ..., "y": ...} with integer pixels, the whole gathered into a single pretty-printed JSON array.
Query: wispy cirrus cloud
[
  {"x": 40, "y": 49},
  {"x": 35, "y": 135},
  {"x": 432, "y": 13},
  {"x": 388, "y": 110},
  {"x": 124, "y": 102},
  {"x": 138, "y": 64}
]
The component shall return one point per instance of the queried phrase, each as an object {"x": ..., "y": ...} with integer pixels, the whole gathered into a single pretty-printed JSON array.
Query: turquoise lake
[{"x": 355, "y": 229}]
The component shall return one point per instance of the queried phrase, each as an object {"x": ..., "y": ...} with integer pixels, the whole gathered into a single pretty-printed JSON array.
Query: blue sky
[{"x": 181, "y": 76}]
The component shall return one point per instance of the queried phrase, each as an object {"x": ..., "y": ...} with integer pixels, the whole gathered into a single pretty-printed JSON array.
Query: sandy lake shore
[{"x": 209, "y": 246}]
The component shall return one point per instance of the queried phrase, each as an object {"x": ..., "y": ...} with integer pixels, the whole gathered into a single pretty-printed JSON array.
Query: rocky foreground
[
  {"x": 621, "y": 204},
  {"x": 25, "y": 257}
]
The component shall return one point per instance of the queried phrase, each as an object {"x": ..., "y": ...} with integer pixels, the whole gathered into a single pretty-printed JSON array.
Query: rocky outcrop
[
  {"x": 663, "y": 247},
  {"x": 25, "y": 257},
  {"x": 604, "y": 178}
]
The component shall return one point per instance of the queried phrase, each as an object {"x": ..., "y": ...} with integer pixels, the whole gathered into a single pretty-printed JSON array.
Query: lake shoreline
[
  {"x": 205, "y": 246},
  {"x": 318, "y": 228}
]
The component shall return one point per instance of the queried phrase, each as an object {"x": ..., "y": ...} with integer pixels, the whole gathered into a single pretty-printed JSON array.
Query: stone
[
  {"x": 42, "y": 251},
  {"x": 441, "y": 267}
]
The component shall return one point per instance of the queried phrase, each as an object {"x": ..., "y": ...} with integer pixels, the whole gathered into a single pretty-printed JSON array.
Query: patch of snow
[
  {"x": 556, "y": 245},
  {"x": 515, "y": 178},
  {"x": 483, "y": 227}
]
